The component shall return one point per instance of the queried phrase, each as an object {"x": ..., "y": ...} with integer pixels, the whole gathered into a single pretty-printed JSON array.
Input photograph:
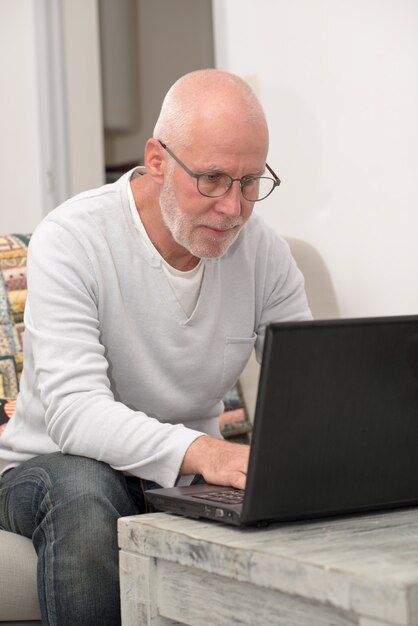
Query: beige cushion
[
  {"x": 318, "y": 282},
  {"x": 322, "y": 301},
  {"x": 18, "y": 594}
]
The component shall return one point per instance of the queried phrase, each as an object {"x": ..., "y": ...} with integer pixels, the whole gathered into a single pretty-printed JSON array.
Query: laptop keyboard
[{"x": 226, "y": 496}]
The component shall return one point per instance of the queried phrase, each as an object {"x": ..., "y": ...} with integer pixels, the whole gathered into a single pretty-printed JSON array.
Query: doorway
[{"x": 145, "y": 47}]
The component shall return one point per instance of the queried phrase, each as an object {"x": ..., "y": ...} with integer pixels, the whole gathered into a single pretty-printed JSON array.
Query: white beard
[{"x": 186, "y": 231}]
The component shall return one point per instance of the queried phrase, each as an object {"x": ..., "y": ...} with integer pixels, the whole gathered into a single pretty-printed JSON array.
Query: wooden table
[{"x": 336, "y": 572}]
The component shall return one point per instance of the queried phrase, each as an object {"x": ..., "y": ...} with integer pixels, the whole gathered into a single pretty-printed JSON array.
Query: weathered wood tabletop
[{"x": 335, "y": 572}]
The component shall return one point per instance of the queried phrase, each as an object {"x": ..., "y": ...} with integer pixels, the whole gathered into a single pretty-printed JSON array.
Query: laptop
[{"x": 335, "y": 427}]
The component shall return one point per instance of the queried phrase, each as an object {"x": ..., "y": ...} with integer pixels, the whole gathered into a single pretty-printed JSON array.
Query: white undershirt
[{"x": 186, "y": 285}]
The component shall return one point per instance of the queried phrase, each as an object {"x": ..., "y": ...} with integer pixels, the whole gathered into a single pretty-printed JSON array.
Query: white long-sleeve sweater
[{"x": 113, "y": 367}]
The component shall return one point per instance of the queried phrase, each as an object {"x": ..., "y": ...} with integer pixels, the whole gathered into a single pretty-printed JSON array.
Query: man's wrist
[{"x": 194, "y": 455}]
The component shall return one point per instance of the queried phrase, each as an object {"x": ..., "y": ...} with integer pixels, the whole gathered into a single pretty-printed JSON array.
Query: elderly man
[{"x": 145, "y": 300}]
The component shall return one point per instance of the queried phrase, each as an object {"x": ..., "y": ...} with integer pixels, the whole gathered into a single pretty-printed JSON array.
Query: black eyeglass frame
[{"x": 276, "y": 180}]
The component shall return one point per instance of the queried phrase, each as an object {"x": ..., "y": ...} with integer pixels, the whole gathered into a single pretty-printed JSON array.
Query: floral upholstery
[{"x": 13, "y": 252}]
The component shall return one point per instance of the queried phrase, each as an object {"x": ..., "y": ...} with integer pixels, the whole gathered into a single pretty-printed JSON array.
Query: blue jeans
[{"x": 69, "y": 506}]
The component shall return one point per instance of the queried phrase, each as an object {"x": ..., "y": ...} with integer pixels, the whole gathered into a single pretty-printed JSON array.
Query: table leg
[{"x": 139, "y": 592}]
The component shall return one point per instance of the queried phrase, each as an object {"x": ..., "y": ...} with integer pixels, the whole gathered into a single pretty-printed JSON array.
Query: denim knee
[
  {"x": 63, "y": 485},
  {"x": 69, "y": 506}
]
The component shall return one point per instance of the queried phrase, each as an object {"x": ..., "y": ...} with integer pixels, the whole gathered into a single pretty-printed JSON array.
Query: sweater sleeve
[
  {"x": 71, "y": 370},
  {"x": 281, "y": 295}
]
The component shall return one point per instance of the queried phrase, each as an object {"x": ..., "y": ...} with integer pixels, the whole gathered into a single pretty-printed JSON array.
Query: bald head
[{"x": 207, "y": 97}]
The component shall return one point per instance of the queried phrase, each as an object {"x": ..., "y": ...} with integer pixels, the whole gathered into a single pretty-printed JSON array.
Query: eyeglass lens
[{"x": 214, "y": 185}]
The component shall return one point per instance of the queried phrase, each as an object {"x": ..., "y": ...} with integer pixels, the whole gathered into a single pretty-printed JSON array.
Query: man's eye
[
  {"x": 248, "y": 181},
  {"x": 212, "y": 177}
]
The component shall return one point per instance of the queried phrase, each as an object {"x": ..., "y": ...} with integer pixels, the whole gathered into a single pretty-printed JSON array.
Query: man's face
[
  {"x": 201, "y": 231},
  {"x": 207, "y": 227}
]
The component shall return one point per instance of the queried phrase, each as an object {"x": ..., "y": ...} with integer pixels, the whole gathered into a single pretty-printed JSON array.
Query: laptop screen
[{"x": 336, "y": 422}]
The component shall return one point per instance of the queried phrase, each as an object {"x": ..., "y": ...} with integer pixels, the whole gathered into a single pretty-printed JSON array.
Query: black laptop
[{"x": 335, "y": 428}]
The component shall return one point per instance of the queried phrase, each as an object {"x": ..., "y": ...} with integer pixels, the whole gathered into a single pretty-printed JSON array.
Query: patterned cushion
[
  {"x": 238, "y": 427},
  {"x": 7, "y": 408},
  {"x": 13, "y": 252}
]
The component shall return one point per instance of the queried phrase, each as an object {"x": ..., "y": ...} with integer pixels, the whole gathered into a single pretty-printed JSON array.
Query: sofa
[{"x": 18, "y": 596}]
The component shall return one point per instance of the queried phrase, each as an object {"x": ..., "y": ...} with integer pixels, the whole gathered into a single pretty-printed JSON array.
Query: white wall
[
  {"x": 51, "y": 133},
  {"x": 339, "y": 83},
  {"x": 83, "y": 91},
  {"x": 21, "y": 175}
]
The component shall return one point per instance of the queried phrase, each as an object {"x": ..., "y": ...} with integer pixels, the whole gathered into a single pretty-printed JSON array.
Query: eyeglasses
[{"x": 216, "y": 184}]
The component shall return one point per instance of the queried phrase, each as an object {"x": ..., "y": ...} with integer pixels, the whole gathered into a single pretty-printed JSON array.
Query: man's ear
[{"x": 154, "y": 160}]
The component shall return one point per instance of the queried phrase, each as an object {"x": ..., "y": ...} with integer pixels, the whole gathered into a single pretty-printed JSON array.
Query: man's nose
[{"x": 231, "y": 203}]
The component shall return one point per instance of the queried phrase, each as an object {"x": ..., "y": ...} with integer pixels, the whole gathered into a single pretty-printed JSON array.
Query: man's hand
[{"x": 219, "y": 462}]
